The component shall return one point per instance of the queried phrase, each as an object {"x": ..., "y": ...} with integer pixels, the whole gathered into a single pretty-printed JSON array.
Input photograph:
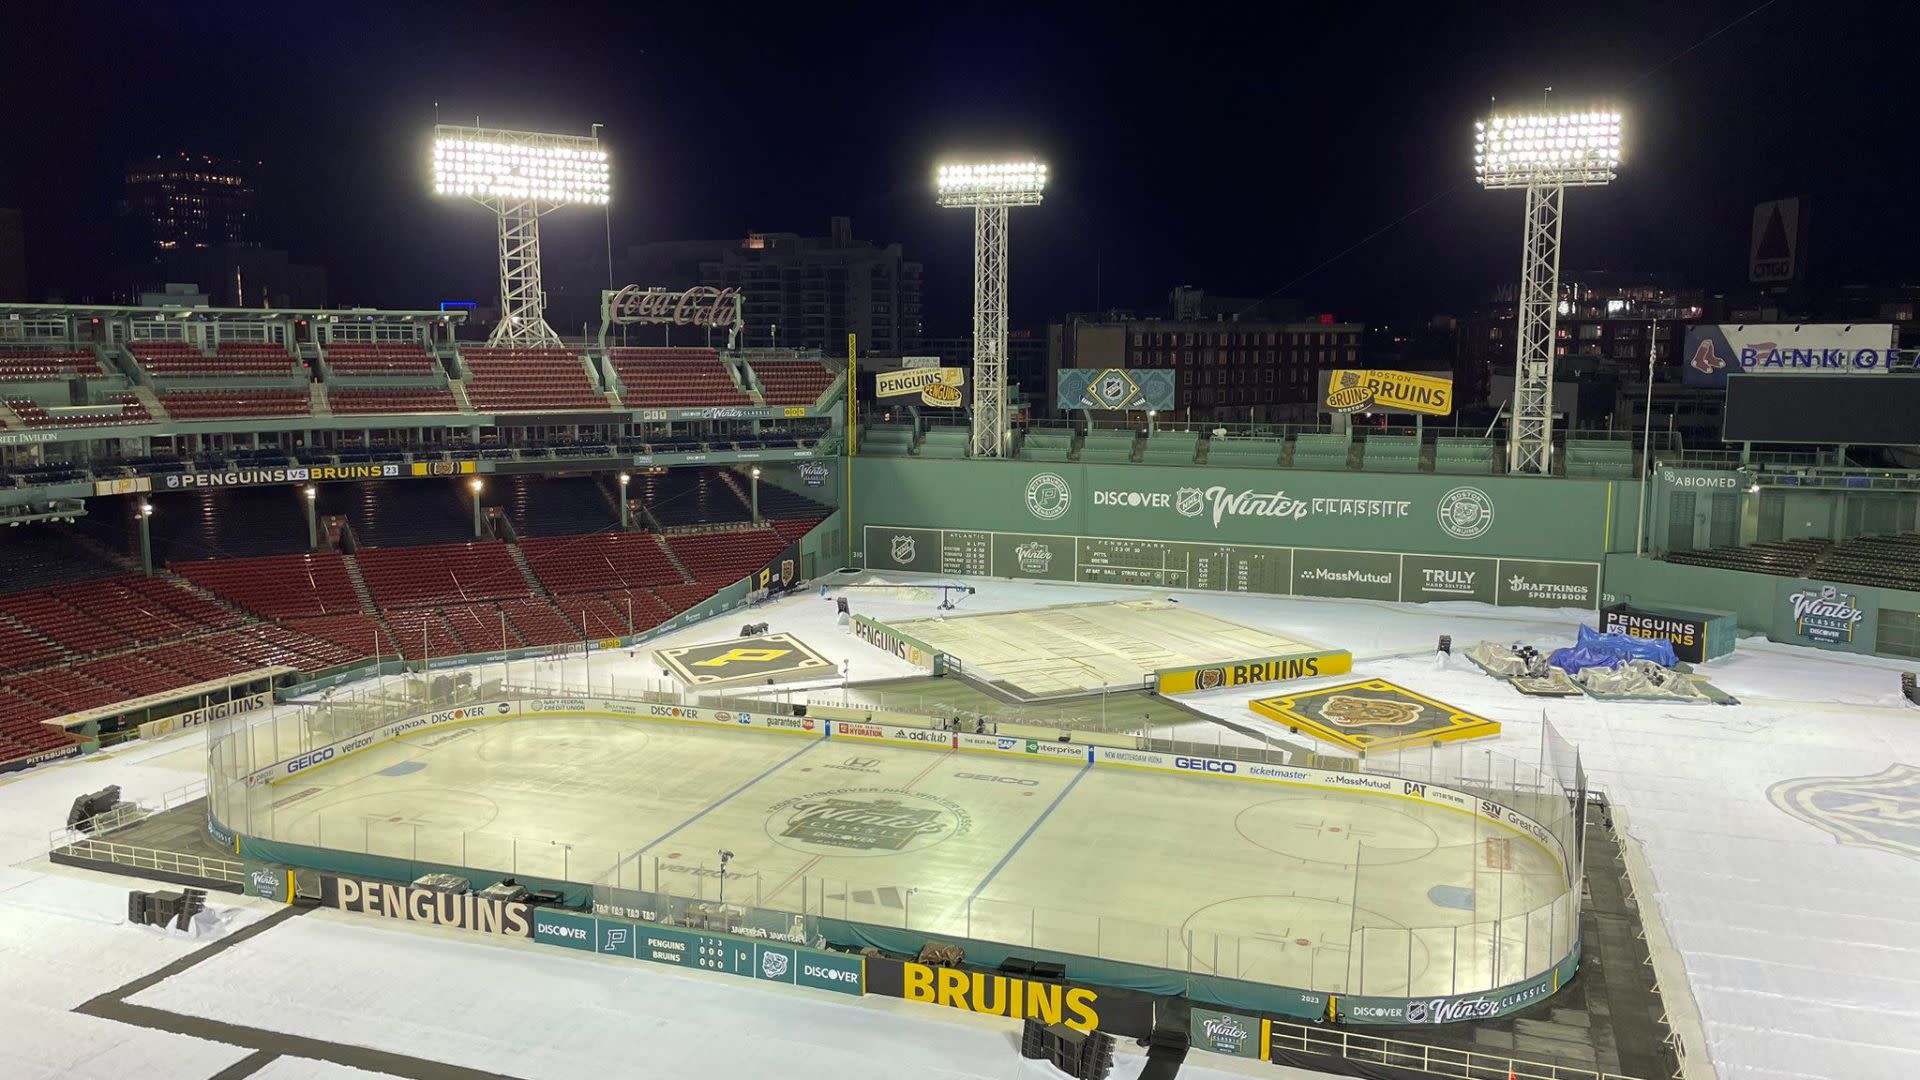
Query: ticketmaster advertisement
[{"x": 1479, "y": 516}]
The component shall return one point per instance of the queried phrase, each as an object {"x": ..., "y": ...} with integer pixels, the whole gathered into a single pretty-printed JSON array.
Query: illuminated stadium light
[
  {"x": 520, "y": 175},
  {"x": 1543, "y": 153},
  {"x": 989, "y": 188},
  {"x": 1578, "y": 149},
  {"x": 1006, "y": 183}
]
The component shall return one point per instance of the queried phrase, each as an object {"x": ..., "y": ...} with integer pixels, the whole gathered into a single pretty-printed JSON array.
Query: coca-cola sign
[{"x": 700, "y": 306}]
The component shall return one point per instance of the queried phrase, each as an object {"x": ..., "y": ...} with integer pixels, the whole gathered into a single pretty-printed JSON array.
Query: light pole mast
[
  {"x": 990, "y": 189},
  {"x": 1543, "y": 154}
]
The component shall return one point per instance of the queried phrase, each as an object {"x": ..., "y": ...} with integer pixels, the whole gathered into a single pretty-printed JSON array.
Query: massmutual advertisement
[{"x": 1716, "y": 350}]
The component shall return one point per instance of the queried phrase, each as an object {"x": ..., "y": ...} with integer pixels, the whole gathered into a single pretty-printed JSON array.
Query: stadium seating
[
  {"x": 599, "y": 561},
  {"x": 444, "y": 573},
  {"x": 1171, "y": 448},
  {"x": 278, "y": 587},
  {"x": 37, "y": 555},
  {"x": 415, "y": 513},
  {"x": 510, "y": 380},
  {"x": 687, "y": 497},
  {"x": 179, "y": 359},
  {"x": 1610, "y": 459},
  {"x": 231, "y": 404},
  {"x": 553, "y": 505},
  {"x": 1390, "y": 453},
  {"x": 117, "y": 409},
  {"x": 227, "y": 523},
  {"x": 356, "y": 401},
  {"x": 725, "y": 557},
  {"x": 791, "y": 382},
  {"x": 538, "y": 622},
  {"x": 1314, "y": 451},
  {"x": 1244, "y": 452},
  {"x": 1786, "y": 558},
  {"x": 1108, "y": 446},
  {"x": 946, "y": 441},
  {"x": 888, "y": 440},
  {"x": 32, "y": 365},
  {"x": 1047, "y": 444},
  {"x": 1464, "y": 457},
  {"x": 384, "y": 358},
  {"x": 674, "y": 378}
]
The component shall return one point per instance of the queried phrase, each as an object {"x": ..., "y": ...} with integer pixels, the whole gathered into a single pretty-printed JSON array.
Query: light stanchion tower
[
  {"x": 990, "y": 189},
  {"x": 520, "y": 175},
  {"x": 1543, "y": 153}
]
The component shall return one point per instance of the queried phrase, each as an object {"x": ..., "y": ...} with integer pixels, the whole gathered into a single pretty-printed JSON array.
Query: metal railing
[
  {"x": 1429, "y": 1060},
  {"x": 145, "y": 858}
]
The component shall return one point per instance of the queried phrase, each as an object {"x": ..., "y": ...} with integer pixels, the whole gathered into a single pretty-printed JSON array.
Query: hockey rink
[{"x": 1258, "y": 881}]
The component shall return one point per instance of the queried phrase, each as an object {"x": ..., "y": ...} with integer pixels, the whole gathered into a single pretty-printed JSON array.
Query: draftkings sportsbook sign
[{"x": 402, "y": 902}]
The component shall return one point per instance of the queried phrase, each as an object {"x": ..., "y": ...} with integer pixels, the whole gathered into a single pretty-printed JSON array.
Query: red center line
[{"x": 815, "y": 861}]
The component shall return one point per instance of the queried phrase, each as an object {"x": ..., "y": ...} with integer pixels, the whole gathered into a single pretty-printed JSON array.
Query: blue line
[
  {"x": 777, "y": 766},
  {"x": 1028, "y": 835}
]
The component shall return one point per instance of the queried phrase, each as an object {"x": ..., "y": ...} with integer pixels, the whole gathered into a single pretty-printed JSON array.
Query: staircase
[
  {"x": 526, "y": 571},
  {"x": 10, "y": 419},
  {"x": 317, "y": 399},
  {"x": 459, "y": 388},
  {"x": 685, "y": 574},
  {"x": 151, "y": 400},
  {"x": 360, "y": 586}
]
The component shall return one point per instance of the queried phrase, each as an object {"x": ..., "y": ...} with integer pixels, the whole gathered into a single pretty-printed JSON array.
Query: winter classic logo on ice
[
  {"x": 1466, "y": 513},
  {"x": 1881, "y": 811},
  {"x": 1048, "y": 496}
]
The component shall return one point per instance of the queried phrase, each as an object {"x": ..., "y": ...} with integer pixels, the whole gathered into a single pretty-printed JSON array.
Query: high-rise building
[
  {"x": 809, "y": 292},
  {"x": 181, "y": 200}
]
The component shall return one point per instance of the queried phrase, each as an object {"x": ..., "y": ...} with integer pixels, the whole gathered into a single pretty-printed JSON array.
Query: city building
[
  {"x": 181, "y": 200},
  {"x": 800, "y": 292},
  {"x": 231, "y": 276},
  {"x": 1241, "y": 370}
]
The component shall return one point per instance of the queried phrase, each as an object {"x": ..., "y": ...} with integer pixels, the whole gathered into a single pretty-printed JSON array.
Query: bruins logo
[
  {"x": 1210, "y": 678},
  {"x": 1370, "y": 712}
]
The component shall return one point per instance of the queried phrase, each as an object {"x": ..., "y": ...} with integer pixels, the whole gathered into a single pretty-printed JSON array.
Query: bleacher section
[
  {"x": 888, "y": 439},
  {"x": 1889, "y": 562},
  {"x": 170, "y": 359},
  {"x": 674, "y": 378},
  {"x": 444, "y": 573},
  {"x": 680, "y": 498},
  {"x": 721, "y": 558},
  {"x": 228, "y": 523},
  {"x": 1321, "y": 451},
  {"x": 228, "y": 404},
  {"x": 523, "y": 380},
  {"x": 1245, "y": 453},
  {"x": 600, "y": 562},
  {"x": 1785, "y": 558},
  {"x": 1171, "y": 448},
  {"x": 353, "y": 402},
  {"x": 35, "y": 365},
  {"x": 778, "y": 502},
  {"x": 553, "y": 505},
  {"x": 791, "y": 382},
  {"x": 1609, "y": 459},
  {"x": 398, "y": 515},
  {"x": 115, "y": 409},
  {"x": 1108, "y": 446},
  {"x": 946, "y": 441},
  {"x": 37, "y": 555},
  {"x": 376, "y": 360},
  {"x": 278, "y": 587},
  {"x": 1464, "y": 457},
  {"x": 1390, "y": 453},
  {"x": 1047, "y": 444}
]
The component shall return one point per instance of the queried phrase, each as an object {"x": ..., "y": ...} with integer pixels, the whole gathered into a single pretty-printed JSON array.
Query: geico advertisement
[{"x": 391, "y": 900}]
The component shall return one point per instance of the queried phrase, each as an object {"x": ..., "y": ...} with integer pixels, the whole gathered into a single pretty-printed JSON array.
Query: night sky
[{"x": 1212, "y": 147}]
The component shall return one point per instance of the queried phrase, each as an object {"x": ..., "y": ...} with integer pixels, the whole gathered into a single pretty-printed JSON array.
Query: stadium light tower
[
  {"x": 519, "y": 175},
  {"x": 1543, "y": 153},
  {"x": 990, "y": 188}
]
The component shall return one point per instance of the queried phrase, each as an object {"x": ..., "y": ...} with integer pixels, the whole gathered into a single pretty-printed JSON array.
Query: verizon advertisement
[{"x": 1716, "y": 350}]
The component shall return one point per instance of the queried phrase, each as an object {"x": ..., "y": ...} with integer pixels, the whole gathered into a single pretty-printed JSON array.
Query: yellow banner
[
  {"x": 1242, "y": 672},
  {"x": 917, "y": 380},
  {"x": 941, "y": 396},
  {"x": 1389, "y": 391}
]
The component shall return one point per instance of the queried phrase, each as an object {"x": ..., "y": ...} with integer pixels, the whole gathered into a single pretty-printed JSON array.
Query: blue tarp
[{"x": 1595, "y": 649}]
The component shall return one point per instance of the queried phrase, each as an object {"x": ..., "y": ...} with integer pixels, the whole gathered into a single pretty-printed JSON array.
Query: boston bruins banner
[{"x": 1389, "y": 391}]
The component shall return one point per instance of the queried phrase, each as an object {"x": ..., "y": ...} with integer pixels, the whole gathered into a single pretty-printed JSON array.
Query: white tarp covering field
[{"x": 1801, "y": 952}]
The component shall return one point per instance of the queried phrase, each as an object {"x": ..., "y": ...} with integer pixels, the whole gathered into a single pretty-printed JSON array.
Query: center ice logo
[
  {"x": 865, "y": 821},
  {"x": 1881, "y": 811},
  {"x": 1364, "y": 712}
]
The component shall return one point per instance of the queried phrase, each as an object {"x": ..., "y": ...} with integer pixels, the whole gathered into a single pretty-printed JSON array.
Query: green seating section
[
  {"x": 887, "y": 439},
  {"x": 1321, "y": 451},
  {"x": 1607, "y": 459},
  {"x": 1390, "y": 453},
  {"x": 945, "y": 442},
  {"x": 1171, "y": 448},
  {"x": 1245, "y": 453},
  {"x": 1048, "y": 444},
  {"x": 1464, "y": 457},
  {"x": 1108, "y": 447}
]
